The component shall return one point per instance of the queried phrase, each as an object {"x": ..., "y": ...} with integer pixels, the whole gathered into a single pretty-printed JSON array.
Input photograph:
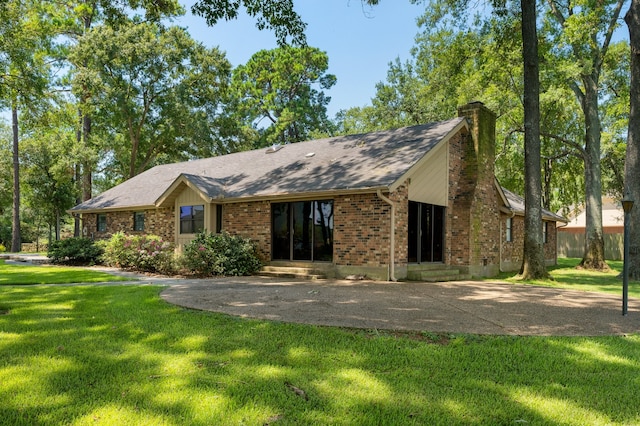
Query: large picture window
[
  {"x": 302, "y": 230},
  {"x": 191, "y": 219},
  {"x": 426, "y": 232}
]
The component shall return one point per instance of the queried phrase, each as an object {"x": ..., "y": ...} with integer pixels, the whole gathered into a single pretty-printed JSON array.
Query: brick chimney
[{"x": 475, "y": 202}]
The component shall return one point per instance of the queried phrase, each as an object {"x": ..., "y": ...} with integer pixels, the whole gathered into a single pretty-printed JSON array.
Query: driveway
[{"x": 457, "y": 307}]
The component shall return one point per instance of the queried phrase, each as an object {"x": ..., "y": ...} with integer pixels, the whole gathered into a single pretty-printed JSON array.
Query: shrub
[
  {"x": 220, "y": 254},
  {"x": 78, "y": 250},
  {"x": 2, "y": 248},
  {"x": 148, "y": 253}
]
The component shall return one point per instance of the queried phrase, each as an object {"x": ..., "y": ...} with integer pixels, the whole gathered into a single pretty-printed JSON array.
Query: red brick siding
[
  {"x": 361, "y": 230},
  {"x": 461, "y": 185},
  {"x": 362, "y": 227},
  {"x": 159, "y": 222},
  {"x": 512, "y": 251},
  {"x": 250, "y": 220},
  {"x": 473, "y": 215},
  {"x": 551, "y": 246},
  {"x": 401, "y": 198}
]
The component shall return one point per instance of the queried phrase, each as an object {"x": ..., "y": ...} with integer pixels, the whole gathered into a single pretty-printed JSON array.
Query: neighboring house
[
  {"x": 571, "y": 235},
  {"x": 386, "y": 205}
]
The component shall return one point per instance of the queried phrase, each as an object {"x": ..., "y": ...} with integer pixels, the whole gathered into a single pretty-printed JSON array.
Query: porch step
[
  {"x": 291, "y": 272},
  {"x": 432, "y": 275}
]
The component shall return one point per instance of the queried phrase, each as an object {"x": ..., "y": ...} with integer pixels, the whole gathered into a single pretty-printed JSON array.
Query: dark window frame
[
  {"x": 218, "y": 218},
  {"x": 138, "y": 221},
  {"x": 101, "y": 222},
  {"x": 191, "y": 222}
]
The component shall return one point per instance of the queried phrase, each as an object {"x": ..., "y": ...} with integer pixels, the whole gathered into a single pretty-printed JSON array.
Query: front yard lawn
[
  {"x": 566, "y": 275},
  {"x": 106, "y": 355},
  {"x": 49, "y": 274}
]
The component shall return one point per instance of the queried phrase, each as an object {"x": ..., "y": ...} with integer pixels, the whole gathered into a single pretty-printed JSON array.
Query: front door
[
  {"x": 302, "y": 230},
  {"x": 426, "y": 232}
]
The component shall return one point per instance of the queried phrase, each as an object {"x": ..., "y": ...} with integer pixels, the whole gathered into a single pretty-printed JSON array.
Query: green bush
[
  {"x": 148, "y": 253},
  {"x": 221, "y": 254},
  {"x": 76, "y": 250},
  {"x": 2, "y": 248}
]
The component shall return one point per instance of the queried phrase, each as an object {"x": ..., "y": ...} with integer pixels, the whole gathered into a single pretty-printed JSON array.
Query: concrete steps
[
  {"x": 284, "y": 271},
  {"x": 435, "y": 273}
]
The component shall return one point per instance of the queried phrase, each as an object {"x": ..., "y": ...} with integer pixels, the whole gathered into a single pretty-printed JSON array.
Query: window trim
[{"x": 509, "y": 230}]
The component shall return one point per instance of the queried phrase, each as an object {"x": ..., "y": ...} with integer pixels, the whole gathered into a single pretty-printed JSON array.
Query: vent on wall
[{"x": 274, "y": 148}]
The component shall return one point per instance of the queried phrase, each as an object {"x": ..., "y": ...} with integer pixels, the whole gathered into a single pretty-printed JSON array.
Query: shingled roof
[
  {"x": 515, "y": 204},
  {"x": 362, "y": 162}
]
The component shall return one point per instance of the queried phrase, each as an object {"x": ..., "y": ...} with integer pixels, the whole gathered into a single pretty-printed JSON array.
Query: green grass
[
  {"x": 120, "y": 355},
  {"x": 48, "y": 274},
  {"x": 566, "y": 275}
]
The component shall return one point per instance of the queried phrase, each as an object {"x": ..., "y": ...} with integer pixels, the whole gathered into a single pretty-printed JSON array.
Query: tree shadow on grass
[{"x": 121, "y": 355}]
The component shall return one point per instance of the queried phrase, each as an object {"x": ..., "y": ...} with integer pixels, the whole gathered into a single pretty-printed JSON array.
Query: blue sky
[{"x": 359, "y": 40}]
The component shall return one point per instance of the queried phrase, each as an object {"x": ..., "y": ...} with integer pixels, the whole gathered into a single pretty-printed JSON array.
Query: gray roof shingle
[{"x": 355, "y": 162}]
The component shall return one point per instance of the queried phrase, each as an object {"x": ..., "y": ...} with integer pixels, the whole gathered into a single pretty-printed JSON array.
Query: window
[
  {"x": 544, "y": 232},
  {"x": 302, "y": 230},
  {"x": 191, "y": 219},
  {"x": 218, "y": 218},
  {"x": 102, "y": 222},
  {"x": 508, "y": 230},
  {"x": 138, "y": 221}
]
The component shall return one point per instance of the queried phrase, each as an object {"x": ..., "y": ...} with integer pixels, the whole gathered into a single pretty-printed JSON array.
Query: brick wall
[
  {"x": 473, "y": 215},
  {"x": 461, "y": 186},
  {"x": 551, "y": 246},
  {"x": 250, "y": 220},
  {"x": 159, "y": 222},
  {"x": 361, "y": 230},
  {"x": 512, "y": 251},
  {"x": 362, "y": 226}
]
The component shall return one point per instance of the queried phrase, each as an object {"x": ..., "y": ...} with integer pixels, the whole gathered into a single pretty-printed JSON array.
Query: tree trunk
[
  {"x": 594, "y": 235},
  {"x": 632, "y": 161},
  {"x": 533, "y": 265},
  {"x": 16, "y": 239},
  {"x": 78, "y": 179},
  {"x": 86, "y": 166}
]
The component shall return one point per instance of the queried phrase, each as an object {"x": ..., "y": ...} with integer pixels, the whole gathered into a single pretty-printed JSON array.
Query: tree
[
  {"x": 632, "y": 161},
  {"x": 49, "y": 156},
  {"x": 156, "y": 93},
  {"x": 533, "y": 265},
  {"x": 26, "y": 37},
  {"x": 6, "y": 184},
  {"x": 284, "y": 86},
  {"x": 278, "y": 15},
  {"x": 84, "y": 14},
  {"x": 586, "y": 29}
]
